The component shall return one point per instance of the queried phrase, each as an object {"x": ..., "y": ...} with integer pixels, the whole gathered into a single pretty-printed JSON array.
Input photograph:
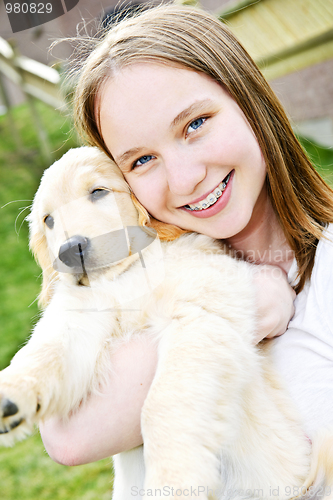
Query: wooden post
[{"x": 43, "y": 139}]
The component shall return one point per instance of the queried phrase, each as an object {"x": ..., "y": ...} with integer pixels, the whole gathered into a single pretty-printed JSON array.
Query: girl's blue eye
[
  {"x": 196, "y": 124},
  {"x": 143, "y": 160}
]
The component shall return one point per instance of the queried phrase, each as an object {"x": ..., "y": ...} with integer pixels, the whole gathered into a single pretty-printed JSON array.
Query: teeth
[{"x": 211, "y": 198}]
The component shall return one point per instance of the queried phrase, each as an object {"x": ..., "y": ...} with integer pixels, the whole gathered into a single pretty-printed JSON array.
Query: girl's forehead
[
  {"x": 157, "y": 73},
  {"x": 145, "y": 98},
  {"x": 155, "y": 90}
]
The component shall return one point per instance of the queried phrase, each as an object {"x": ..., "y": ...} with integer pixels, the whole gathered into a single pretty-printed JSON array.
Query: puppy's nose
[{"x": 72, "y": 252}]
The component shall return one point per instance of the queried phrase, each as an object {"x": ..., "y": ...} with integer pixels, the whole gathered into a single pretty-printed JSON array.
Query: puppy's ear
[
  {"x": 166, "y": 232},
  {"x": 38, "y": 246}
]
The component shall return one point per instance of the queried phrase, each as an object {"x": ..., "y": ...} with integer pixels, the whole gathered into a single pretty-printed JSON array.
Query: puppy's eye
[
  {"x": 49, "y": 221},
  {"x": 98, "y": 193}
]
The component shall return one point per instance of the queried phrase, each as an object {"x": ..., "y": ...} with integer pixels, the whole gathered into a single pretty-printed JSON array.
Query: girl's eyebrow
[
  {"x": 190, "y": 110},
  {"x": 196, "y": 107},
  {"x": 128, "y": 154}
]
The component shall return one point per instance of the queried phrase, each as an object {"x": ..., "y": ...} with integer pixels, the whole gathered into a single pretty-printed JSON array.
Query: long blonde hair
[{"x": 196, "y": 40}]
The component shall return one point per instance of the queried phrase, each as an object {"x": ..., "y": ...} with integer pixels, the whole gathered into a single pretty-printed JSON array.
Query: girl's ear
[
  {"x": 166, "y": 232},
  {"x": 38, "y": 246}
]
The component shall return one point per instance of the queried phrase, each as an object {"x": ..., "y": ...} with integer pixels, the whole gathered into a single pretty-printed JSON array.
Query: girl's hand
[
  {"x": 275, "y": 301},
  {"x": 108, "y": 423}
]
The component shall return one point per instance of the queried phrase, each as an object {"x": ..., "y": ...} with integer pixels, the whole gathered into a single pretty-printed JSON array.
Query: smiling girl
[{"x": 205, "y": 146}]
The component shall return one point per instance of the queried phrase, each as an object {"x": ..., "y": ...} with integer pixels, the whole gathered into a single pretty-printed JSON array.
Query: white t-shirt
[{"x": 303, "y": 356}]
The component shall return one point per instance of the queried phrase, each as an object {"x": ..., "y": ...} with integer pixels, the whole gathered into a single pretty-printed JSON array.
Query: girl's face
[{"x": 183, "y": 143}]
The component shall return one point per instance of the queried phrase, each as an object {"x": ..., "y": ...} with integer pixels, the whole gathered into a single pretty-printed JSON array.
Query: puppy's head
[{"x": 78, "y": 218}]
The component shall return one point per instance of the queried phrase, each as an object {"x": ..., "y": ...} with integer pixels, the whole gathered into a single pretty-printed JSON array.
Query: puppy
[{"x": 216, "y": 423}]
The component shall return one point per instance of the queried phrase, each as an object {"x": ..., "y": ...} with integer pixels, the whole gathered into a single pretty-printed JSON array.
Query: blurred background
[{"x": 291, "y": 41}]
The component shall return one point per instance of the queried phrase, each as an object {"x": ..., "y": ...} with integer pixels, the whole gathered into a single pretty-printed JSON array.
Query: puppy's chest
[{"x": 146, "y": 300}]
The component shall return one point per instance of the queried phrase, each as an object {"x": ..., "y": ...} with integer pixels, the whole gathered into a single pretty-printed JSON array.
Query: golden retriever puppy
[{"x": 216, "y": 423}]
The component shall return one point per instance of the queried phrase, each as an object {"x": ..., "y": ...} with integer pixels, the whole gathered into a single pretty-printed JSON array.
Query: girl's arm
[{"x": 109, "y": 423}]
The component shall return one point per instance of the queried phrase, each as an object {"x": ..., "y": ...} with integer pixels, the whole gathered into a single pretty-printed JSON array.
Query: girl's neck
[{"x": 262, "y": 241}]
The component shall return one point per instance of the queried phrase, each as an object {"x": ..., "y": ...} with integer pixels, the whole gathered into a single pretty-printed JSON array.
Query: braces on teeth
[{"x": 211, "y": 198}]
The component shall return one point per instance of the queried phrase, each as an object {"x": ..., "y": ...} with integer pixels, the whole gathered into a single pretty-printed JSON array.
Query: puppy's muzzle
[
  {"x": 79, "y": 254},
  {"x": 73, "y": 252}
]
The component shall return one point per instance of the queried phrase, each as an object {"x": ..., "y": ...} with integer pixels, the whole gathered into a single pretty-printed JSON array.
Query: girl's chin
[{"x": 226, "y": 227}]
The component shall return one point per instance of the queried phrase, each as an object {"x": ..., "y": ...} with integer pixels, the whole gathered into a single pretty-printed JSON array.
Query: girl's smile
[
  {"x": 213, "y": 202},
  {"x": 185, "y": 148}
]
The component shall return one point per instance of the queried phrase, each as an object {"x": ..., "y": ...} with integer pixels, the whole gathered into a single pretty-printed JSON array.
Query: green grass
[
  {"x": 26, "y": 471},
  {"x": 19, "y": 178},
  {"x": 321, "y": 157}
]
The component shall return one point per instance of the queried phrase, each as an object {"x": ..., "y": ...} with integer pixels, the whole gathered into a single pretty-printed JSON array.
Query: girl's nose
[{"x": 184, "y": 173}]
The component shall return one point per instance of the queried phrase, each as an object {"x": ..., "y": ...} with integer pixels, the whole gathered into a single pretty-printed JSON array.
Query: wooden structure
[
  {"x": 37, "y": 82},
  {"x": 282, "y": 36}
]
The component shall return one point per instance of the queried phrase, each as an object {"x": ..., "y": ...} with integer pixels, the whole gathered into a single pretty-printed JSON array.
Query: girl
[{"x": 205, "y": 146}]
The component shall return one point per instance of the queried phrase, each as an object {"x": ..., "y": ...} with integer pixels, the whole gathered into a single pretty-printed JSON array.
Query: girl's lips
[
  {"x": 193, "y": 202},
  {"x": 218, "y": 205}
]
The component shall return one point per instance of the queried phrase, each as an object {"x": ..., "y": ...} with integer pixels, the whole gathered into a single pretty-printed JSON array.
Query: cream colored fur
[{"x": 216, "y": 422}]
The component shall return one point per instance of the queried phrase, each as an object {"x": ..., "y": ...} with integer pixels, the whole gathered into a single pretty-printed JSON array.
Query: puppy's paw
[{"x": 18, "y": 408}]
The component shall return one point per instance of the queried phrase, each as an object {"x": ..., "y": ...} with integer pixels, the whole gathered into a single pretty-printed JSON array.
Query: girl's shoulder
[
  {"x": 319, "y": 288},
  {"x": 324, "y": 252},
  {"x": 321, "y": 283},
  {"x": 313, "y": 305}
]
